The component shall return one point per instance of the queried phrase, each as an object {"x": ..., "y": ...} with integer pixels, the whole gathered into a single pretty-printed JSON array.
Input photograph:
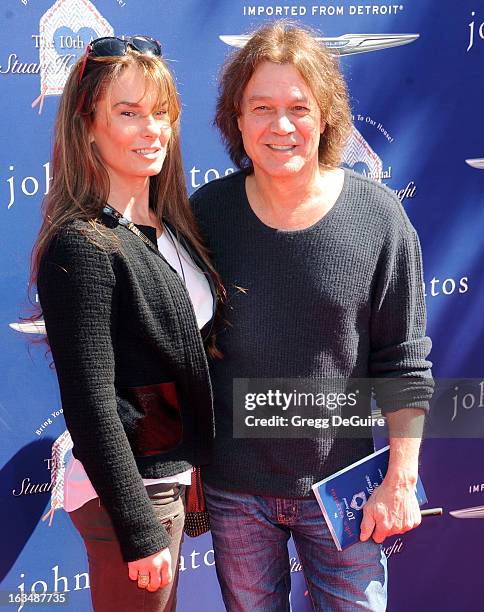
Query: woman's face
[{"x": 130, "y": 134}]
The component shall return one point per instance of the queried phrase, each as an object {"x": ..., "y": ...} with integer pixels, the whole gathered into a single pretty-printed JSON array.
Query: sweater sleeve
[
  {"x": 399, "y": 346},
  {"x": 77, "y": 291},
  {"x": 200, "y": 211}
]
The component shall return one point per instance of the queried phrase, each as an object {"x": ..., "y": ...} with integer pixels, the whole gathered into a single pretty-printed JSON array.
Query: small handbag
[{"x": 197, "y": 520}]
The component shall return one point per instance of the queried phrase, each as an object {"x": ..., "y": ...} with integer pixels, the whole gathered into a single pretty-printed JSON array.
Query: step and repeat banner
[{"x": 414, "y": 70}]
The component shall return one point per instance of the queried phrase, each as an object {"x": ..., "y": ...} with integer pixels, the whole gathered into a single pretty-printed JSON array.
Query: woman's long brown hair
[{"x": 80, "y": 183}]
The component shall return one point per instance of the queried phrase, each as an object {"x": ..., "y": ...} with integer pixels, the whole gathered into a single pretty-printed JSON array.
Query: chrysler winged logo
[
  {"x": 476, "y": 163},
  {"x": 468, "y": 513},
  {"x": 347, "y": 44},
  {"x": 36, "y": 327}
]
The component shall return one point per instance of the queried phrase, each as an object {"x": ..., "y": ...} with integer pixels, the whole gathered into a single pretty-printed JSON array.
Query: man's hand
[
  {"x": 391, "y": 509},
  {"x": 153, "y": 572}
]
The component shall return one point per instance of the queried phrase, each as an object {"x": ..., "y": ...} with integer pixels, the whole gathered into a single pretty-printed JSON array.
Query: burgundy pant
[{"x": 111, "y": 587}]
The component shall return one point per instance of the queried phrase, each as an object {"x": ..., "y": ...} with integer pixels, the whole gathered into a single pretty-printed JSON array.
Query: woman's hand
[{"x": 152, "y": 572}]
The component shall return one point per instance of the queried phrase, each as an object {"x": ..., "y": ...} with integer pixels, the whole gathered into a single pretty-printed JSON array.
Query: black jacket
[{"x": 131, "y": 367}]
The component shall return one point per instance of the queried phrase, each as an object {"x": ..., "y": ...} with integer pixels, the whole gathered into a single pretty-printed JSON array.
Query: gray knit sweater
[{"x": 342, "y": 298}]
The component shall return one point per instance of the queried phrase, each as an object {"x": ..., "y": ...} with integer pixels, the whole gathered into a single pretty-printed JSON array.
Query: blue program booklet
[{"x": 343, "y": 495}]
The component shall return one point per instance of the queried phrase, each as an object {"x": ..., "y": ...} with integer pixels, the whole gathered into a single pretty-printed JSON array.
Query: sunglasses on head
[{"x": 112, "y": 46}]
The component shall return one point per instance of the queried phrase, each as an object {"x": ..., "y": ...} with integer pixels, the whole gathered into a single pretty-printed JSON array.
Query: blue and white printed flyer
[{"x": 343, "y": 495}]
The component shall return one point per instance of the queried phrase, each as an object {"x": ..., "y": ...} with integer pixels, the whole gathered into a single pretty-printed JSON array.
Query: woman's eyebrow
[
  {"x": 134, "y": 104},
  {"x": 126, "y": 103}
]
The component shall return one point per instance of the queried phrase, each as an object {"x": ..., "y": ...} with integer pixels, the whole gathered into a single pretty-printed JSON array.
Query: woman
[{"x": 125, "y": 286}]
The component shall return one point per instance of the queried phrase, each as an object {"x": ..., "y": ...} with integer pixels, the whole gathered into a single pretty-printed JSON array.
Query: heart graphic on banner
[{"x": 66, "y": 41}]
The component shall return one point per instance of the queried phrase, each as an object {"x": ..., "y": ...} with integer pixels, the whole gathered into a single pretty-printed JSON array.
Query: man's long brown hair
[{"x": 80, "y": 183}]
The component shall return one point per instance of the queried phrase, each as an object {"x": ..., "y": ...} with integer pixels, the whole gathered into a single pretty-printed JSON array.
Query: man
[{"x": 323, "y": 273}]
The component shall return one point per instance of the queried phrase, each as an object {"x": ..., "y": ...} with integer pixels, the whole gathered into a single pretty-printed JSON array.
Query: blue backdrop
[{"x": 417, "y": 117}]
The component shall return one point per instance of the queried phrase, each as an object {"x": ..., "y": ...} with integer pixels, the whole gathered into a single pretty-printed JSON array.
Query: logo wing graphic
[
  {"x": 347, "y": 44},
  {"x": 37, "y": 327},
  {"x": 476, "y": 163},
  {"x": 468, "y": 513}
]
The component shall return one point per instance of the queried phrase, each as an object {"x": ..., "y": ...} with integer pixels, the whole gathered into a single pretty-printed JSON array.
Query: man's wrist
[{"x": 402, "y": 478}]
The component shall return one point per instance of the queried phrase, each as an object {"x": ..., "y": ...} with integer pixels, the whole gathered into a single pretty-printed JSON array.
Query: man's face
[{"x": 280, "y": 121}]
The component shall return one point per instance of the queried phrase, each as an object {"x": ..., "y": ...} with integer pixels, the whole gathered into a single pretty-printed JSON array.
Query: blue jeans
[{"x": 250, "y": 535}]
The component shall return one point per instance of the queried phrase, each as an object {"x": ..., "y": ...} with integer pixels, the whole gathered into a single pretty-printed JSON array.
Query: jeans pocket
[
  {"x": 173, "y": 521},
  {"x": 167, "y": 502}
]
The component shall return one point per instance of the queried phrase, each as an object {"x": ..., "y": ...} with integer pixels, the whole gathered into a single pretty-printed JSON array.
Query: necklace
[{"x": 113, "y": 213}]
